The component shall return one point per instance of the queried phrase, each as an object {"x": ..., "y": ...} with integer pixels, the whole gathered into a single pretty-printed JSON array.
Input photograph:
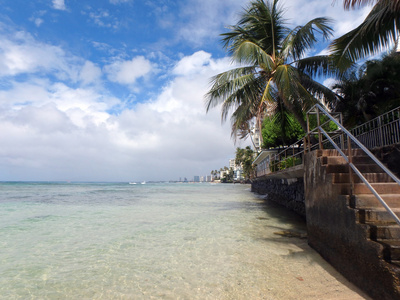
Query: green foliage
[
  {"x": 284, "y": 164},
  {"x": 244, "y": 158},
  {"x": 278, "y": 132},
  {"x": 326, "y": 123},
  {"x": 370, "y": 90}
]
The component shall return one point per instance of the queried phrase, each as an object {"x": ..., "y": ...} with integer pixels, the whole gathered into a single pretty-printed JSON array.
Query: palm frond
[
  {"x": 226, "y": 83},
  {"x": 319, "y": 91},
  {"x": 262, "y": 24},
  {"x": 394, "y": 4},
  {"x": 303, "y": 38},
  {"x": 377, "y": 32},
  {"x": 250, "y": 53},
  {"x": 286, "y": 78},
  {"x": 321, "y": 65}
]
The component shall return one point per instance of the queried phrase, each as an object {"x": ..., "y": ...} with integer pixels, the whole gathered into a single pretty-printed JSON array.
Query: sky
[{"x": 113, "y": 90}]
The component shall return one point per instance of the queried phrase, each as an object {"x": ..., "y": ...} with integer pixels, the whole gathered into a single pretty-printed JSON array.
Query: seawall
[{"x": 286, "y": 192}]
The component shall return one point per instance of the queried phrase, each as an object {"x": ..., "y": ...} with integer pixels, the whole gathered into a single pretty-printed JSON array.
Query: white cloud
[
  {"x": 128, "y": 71},
  {"x": 24, "y": 55},
  {"x": 103, "y": 18},
  {"x": 38, "y": 22},
  {"x": 191, "y": 64},
  {"x": 59, "y": 4},
  {"x": 68, "y": 134},
  {"x": 89, "y": 73},
  {"x": 20, "y": 54}
]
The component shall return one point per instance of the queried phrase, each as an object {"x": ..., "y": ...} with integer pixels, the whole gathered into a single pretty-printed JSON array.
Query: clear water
[{"x": 154, "y": 241}]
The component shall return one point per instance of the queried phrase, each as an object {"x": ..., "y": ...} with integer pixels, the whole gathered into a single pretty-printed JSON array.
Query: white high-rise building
[
  {"x": 256, "y": 136},
  {"x": 232, "y": 164},
  {"x": 237, "y": 170}
]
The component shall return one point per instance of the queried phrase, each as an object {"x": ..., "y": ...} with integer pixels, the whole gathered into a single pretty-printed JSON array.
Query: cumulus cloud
[
  {"x": 20, "y": 54},
  {"x": 59, "y": 4},
  {"x": 69, "y": 133},
  {"x": 128, "y": 71},
  {"x": 89, "y": 73},
  {"x": 191, "y": 64},
  {"x": 24, "y": 55}
]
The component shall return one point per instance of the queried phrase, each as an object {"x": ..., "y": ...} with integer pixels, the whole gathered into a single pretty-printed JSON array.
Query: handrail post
[
  {"x": 350, "y": 156},
  {"x": 319, "y": 131},
  {"x": 293, "y": 155},
  {"x": 342, "y": 135},
  {"x": 308, "y": 132},
  {"x": 380, "y": 131}
]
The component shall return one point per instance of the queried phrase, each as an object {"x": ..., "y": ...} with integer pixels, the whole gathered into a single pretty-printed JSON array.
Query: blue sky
[{"x": 112, "y": 90}]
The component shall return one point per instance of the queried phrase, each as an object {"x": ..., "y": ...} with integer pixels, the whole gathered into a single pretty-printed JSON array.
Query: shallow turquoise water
[{"x": 153, "y": 241}]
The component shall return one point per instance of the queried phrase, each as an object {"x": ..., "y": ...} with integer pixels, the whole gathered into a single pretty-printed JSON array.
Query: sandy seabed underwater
[{"x": 156, "y": 241}]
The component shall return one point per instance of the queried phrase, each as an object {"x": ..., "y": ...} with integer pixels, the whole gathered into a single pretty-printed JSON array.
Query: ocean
[{"x": 155, "y": 241}]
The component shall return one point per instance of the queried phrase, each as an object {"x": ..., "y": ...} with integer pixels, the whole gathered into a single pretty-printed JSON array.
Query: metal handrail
[
  {"x": 352, "y": 166},
  {"x": 381, "y": 131},
  {"x": 284, "y": 152},
  {"x": 358, "y": 143}
]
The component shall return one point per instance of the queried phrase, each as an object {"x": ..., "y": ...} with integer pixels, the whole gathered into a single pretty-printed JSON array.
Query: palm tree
[
  {"x": 378, "y": 31},
  {"x": 272, "y": 71}
]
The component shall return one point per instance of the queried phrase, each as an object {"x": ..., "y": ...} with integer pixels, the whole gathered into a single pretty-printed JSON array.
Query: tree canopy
[
  {"x": 245, "y": 157},
  {"x": 370, "y": 90}
]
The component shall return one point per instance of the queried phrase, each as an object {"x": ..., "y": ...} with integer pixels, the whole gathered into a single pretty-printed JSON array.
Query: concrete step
[
  {"x": 391, "y": 252},
  {"x": 371, "y": 177},
  {"x": 384, "y": 232},
  {"x": 366, "y": 201},
  {"x": 340, "y": 160},
  {"x": 361, "y": 188},
  {"x": 344, "y": 168},
  {"x": 334, "y": 152},
  {"x": 377, "y": 216}
]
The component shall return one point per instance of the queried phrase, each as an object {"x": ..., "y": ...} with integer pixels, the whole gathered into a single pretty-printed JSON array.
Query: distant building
[
  {"x": 232, "y": 164},
  {"x": 256, "y": 137},
  {"x": 223, "y": 173},
  {"x": 196, "y": 178},
  {"x": 208, "y": 178},
  {"x": 237, "y": 170},
  {"x": 238, "y": 173}
]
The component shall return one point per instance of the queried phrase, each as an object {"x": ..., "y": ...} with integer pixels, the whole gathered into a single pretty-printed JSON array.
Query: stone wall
[{"x": 286, "y": 192}]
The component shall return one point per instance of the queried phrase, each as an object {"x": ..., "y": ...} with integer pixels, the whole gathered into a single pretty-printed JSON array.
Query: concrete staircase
[
  {"x": 349, "y": 226},
  {"x": 369, "y": 211}
]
